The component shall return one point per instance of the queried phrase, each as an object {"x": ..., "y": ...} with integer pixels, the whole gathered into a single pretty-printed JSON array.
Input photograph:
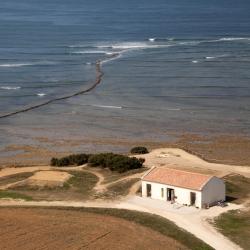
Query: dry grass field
[{"x": 28, "y": 228}]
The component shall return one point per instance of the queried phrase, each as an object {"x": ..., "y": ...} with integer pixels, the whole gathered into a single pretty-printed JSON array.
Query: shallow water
[{"x": 170, "y": 67}]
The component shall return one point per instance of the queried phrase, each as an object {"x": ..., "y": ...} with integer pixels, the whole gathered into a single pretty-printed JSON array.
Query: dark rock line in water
[{"x": 99, "y": 75}]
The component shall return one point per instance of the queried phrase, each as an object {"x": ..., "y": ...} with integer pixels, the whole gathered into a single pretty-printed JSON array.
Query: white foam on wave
[
  {"x": 14, "y": 65},
  {"x": 106, "y": 106},
  {"x": 214, "y": 57},
  {"x": 41, "y": 94},
  {"x": 233, "y": 38},
  {"x": 136, "y": 45},
  {"x": 90, "y": 52},
  {"x": 151, "y": 39},
  {"x": 173, "y": 109},
  {"x": 195, "y": 61},
  {"x": 115, "y": 56},
  {"x": 9, "y": 65},
  {"x": 9, "y": 88}
]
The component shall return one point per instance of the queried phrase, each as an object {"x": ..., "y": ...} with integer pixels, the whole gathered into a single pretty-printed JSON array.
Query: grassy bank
[
  {"x": 14, "y": 178},
  {"x": 14, "y": 195},
  {"x": 236, "y": 226},
  {"x": 237, "y": 188}
]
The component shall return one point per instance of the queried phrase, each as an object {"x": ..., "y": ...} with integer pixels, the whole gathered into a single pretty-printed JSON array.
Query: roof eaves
[
  {"x": 149, "y": 171},
  {"x": 205, "y": 183}
]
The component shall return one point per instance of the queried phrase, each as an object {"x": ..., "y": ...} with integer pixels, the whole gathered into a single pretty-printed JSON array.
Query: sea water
[{"x": 169, "y": 67}]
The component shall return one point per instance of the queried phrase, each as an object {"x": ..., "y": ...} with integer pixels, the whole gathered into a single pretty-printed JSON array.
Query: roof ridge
[
  {"x": 176, "y": 177},
  {"x": 184, "y": 171}
]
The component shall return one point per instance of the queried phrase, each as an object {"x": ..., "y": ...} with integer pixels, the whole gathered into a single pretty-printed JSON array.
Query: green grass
[
  {"x": 14, "y": 195},
  {"x": 82, "y": 182},
  {"x": 114, "y": 176},
  {"x": 121, "y": 188},
  {"x": 236, "y": 226},
  {"x": 237, "y": 188},
  {"x": 14, "y": 178},
  {"x": 79, "y": 186},
  {"x": 154, "y": 222}
]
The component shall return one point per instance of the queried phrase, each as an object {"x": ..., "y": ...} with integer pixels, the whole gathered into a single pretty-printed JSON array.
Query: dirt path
[{"x": 99, "y": 187}]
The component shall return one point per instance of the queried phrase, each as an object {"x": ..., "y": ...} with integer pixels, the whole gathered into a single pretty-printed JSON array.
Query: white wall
[
  {"x": 182, "y": 194},
  {"x": 213, "y": 191}
]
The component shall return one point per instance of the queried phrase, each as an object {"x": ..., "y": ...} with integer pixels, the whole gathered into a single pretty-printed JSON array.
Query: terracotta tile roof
[{"x": 177, "y": 178}]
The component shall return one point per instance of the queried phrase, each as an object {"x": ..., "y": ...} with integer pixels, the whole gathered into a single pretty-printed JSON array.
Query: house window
[{"x": 162, "y": 192}]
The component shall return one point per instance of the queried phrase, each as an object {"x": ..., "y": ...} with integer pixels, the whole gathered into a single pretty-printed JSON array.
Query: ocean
[{"x": 170, "y": 67}]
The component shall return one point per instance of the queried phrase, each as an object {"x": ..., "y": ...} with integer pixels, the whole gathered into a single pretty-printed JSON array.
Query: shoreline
[{"x": 232, "y": 150}]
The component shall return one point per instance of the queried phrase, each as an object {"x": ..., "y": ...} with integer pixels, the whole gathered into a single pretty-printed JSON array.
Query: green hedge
[
  {"x": 75, "y": 159},
  {"x": 115, "y": 162},
  {"x": 139, "y": 150}
]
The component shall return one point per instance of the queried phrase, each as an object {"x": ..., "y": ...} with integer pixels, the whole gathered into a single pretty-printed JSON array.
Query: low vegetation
[
  {"x": 139, "y": 150},
  {"x": 236, "y": 226},
  {"x": 154, "y": 222},
  {"x": 13, "y": 195},
  {"x": 115, "y": 176},
  {"x": 237, "y": 188},
  {"x": 78, "y": 187},
  {"x": 82, "y": 182},
  {"x": 14, "y": 178},
  {"x": 115, "y": 162},
  {"x": 120, "y": 188},
  {"x": 75, "y": 159}
]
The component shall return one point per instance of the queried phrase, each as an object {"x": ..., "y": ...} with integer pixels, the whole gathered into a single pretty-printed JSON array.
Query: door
[
  {"x": 170, "y": 194},
  {"x": 148, "y": 190},
  {"x": 192, "y": 198}
]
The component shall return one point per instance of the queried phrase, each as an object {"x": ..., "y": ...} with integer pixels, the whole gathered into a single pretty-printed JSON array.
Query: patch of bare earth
[
  {"x": 27, "y": 228},
  {"x": 48, "y": 179}
]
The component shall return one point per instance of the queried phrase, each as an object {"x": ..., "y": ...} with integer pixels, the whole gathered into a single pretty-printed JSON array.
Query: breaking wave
[
  {"x": 10, "y": 88},
  {"x": 10, "y": 65},
  {"x": 41, "y": 94},
  {"x": 16, "y": 65},
  {"x": 106, "y": 106}
]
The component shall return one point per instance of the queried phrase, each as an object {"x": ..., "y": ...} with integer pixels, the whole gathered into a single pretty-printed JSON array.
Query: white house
[{"x": 182, "y": 187}]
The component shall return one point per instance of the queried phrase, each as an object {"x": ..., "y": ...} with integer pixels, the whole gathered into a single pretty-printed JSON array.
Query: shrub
[
  {"x": 101, "y": 159},
  {"x": 115, "y": 162},
  {"x": 139, "y": 150},
  {"x": 75, "y": 159}
]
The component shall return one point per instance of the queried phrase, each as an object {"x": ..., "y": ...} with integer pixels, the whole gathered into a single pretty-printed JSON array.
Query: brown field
[{"x": 29, "y": 228}]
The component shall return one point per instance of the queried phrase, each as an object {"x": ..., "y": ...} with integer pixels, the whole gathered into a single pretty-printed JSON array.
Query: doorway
[
  {"x": 170, "y": 194},
  {"x": 148, "y": 187},
  {"x": 192, "y": 198}
]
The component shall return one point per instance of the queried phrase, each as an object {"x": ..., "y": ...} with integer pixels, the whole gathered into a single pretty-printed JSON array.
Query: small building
[{"x": 182, "y": 187}]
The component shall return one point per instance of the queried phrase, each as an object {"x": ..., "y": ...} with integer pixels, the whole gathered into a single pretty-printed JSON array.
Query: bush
[
  {"x": 115, "y": 162},
  {"x": 139, "y": 150},
  {"x": 75, "y": 159},
  {"x": 100, "y": 159}
]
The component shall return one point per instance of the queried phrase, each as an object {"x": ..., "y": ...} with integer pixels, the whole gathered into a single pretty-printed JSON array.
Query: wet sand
[{"x": 219, "y": 149}]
